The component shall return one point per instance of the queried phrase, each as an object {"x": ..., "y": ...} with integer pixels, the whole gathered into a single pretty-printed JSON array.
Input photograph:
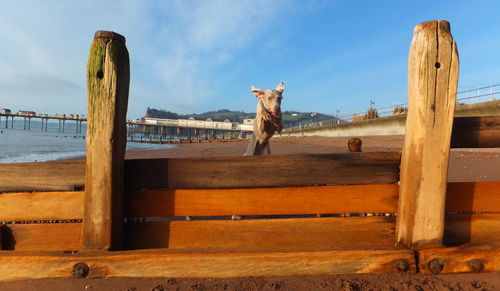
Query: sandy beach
[{"x": 465, "y": 165}]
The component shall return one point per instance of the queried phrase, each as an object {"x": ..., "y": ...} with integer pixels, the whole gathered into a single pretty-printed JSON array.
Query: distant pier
[
  {"x": 147, "y": 130},
  {"x": 44, "y": 118},
  {"x": 163, "y": 130}
]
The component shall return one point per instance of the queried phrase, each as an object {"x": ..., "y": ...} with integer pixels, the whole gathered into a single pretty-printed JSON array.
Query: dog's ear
[
  {"x": 257, "y": 92},
  {"x": 280, "y": 88}
]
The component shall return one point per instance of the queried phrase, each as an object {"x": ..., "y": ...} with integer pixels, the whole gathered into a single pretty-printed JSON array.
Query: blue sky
[{"x": 194, "y": 56}]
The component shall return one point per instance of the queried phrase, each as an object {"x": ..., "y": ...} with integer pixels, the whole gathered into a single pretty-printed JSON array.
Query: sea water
[{"x": 18, "y": 144}]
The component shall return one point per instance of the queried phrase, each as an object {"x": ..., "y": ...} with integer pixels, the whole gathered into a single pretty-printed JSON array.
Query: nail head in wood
[
  {"x": 81, "y": 270},
  {"x": 476, "y": 265},
  {"x": 402, "y": 265},
  {"x": 436, "y": 266}
]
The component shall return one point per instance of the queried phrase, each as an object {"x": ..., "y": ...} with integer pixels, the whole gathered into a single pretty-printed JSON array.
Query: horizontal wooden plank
[
  {"x": 472, "y": 228},
  {"x": 470, "y": 196},
  {"x": 248, "y": 235},
  {"x": 476, "y": 132},
  {"x": 462, "y": 259},
  {"x": 464, "y": 197},
  {"x": 41, "y": 206},
  {"x": 262, "y": 201},
  {"x": 473, "y": 197},
  {"x": 47, "y": 176},
  {"x": 43, "y": 236},
  {"x": 165, "y": 264},
  {"x": 252, "y": 234},
  {"x": 264, "y": 171},
  {"x": 263, "y": 234},
  {"x": 217, "y": 172}
]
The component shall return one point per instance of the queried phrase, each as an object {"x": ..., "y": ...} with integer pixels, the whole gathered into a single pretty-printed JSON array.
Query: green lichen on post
[{"x": 95, "y": 69}]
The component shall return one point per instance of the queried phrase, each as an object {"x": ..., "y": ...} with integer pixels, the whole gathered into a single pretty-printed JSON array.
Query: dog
[{"x": 267, "y": 120}]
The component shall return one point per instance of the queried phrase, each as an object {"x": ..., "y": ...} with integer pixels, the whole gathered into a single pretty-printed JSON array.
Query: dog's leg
[
  {"x": 262, "y": 148},
  {"x": 252, "y": 146}
]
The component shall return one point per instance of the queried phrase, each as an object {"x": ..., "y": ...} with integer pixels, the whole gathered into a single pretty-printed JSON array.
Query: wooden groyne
[{"x": 107, "y": 208}]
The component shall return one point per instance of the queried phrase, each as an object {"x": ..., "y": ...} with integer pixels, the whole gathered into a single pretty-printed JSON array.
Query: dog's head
[{"x": 271, "y": 98}]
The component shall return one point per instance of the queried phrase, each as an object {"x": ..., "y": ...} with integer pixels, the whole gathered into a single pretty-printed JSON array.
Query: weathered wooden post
[
  {"x": 108, "y": 75},
  {"x": 432, "y": 86}
]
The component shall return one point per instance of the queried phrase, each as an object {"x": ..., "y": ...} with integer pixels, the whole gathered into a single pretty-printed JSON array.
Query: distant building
[
  {"x": 5, "y": 111},
  {"x": 248, "y": 121},
  {"x": 26, "y": 113}
]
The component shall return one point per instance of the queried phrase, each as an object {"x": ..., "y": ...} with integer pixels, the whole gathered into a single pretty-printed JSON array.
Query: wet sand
[{"x": 465, "y": 165}]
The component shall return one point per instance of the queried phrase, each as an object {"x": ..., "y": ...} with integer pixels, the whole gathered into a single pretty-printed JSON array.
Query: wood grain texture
[
  {"x": 48, "y": 176},
  {"x": 432, "y": 85},
  {"x": 275, "y": 234},
  {"x": 263, "y": 234},
  {"x": 268, "y": 171},
  {"x": 473, "y": 197},
  {"x": 471, "y": 228},
  {"x": 41, "y": 206},
  {"x": 462, "y": 197},
  {"x": 165, "y": 264},
  {"x": 242, "y": 235},
  {"x": 108, "y": 76},
  {"x": 42, "y": 236},
  {"x": 458, "y": 259},
  {"x": 262, "y": 201},
  {"x": 476, "y": 132}
]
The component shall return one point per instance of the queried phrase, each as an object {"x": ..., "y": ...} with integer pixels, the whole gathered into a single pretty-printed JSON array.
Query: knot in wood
[
  {"x": 476, "y": 265},
  {"x": 81, "y": 270},
  {"x": 436, "y": 266}
]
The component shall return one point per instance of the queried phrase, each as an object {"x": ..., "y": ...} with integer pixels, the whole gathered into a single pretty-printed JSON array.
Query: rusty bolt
[
  {"x": 81, "y": 270},
  {"x": 402, "y": 265},
  {"x": 436, "y": 266},
  {"x": 476, "y": 265}
]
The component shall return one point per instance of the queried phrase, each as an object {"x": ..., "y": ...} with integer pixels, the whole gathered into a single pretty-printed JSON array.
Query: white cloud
[
  {"x": 176, "y": 48},
  {"x": 206, "y": 34}
]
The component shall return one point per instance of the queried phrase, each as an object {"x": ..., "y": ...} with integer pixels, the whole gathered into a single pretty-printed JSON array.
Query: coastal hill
[{"x": 290, "y": 118}]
